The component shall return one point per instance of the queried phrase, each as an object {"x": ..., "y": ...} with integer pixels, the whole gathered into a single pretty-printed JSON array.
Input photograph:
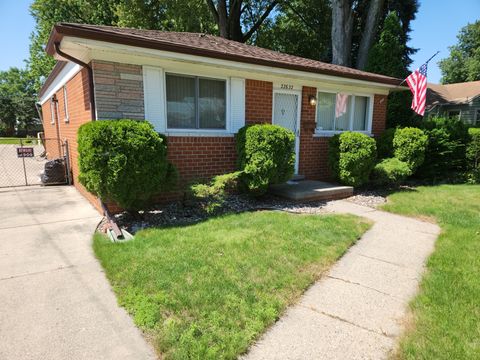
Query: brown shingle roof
[
  {"x": 208, "y": 46},
  {"x": 458, "y": 93}
]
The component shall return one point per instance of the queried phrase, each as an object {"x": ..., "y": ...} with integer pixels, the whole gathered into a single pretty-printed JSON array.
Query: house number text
[{"x": 286, "y": 87}]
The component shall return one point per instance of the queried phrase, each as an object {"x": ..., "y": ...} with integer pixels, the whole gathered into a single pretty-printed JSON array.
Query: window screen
[
  {"x": 195, "y": 103},
  {"x": 360, "y": 113},
  {"x": 325, "y": 111}
]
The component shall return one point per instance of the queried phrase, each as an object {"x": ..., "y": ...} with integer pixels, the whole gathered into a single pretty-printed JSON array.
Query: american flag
[{"x": 417, "y": 82}]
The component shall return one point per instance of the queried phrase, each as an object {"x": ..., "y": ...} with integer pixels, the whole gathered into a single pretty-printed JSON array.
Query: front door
[{"x": 286, "y": 113}]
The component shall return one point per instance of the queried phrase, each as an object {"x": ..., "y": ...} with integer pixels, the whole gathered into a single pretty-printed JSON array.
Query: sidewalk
[
  {"x": 358, "y": 309},
  {"x": 55, "y": 301}
]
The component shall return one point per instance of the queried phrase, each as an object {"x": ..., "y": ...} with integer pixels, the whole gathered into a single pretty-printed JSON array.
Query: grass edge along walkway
[
  {"x": 208, "y": 290},
  {"x": 446, "y": 312}
]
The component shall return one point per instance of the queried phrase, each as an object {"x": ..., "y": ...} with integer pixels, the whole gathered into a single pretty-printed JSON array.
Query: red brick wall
[
  {"x": 198, "y": 158},
  {"x": 379, "y": 118},
  {"x": 78, "y": 101},
  {"x": 258, "y": 101},
  {"x": 201, "y": 157},
  {"x": 313, "y": 150}
]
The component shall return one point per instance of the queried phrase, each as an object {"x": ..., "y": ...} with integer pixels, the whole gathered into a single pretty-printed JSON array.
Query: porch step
[
  {"x": 309, "y": 190},
  {"x": 297, "y": 178}
]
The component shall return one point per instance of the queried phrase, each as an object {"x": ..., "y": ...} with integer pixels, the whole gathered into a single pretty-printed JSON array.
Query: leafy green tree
[
  {"x": 17, "y": 100},
  {"x": 49, "y": 12},
  {"x": 173, "y": 15},
  {"x": 301, "y": 27},
  {"x": 463, "y": 64},
  {"x": 387, "y": 57},
  {"x": 239, "y": 20}
]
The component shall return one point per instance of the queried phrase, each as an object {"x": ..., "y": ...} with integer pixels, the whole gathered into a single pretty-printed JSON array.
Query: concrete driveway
[{"x": 55, "y": 302}]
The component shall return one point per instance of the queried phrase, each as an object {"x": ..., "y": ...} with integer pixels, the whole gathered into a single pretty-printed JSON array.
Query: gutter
[{"x": 91, "y": 84}]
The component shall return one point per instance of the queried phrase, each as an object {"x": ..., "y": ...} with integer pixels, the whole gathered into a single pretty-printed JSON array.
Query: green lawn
[
  {"x": 208, "y": 290},
  {"x": 14, "y": 141},
  {"x": 446, "y": 313}
]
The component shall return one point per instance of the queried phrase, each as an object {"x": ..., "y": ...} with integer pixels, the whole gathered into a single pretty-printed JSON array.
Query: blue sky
[{"x": 435, "y": 28}]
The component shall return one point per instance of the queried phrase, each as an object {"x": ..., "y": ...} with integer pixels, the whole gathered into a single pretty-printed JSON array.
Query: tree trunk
[
  {"x": 342, "y": 26},
  {"x": 235, "y": 20},
  {"x": 230, "y": 22},
  {"x": 369, "y": 32},
  {"x": 223, "y": 19}
]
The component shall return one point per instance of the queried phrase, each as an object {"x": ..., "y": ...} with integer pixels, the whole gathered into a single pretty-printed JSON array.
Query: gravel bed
[
  {"x": 178, "y": 214},
  {"x": 370, "y": 198}
]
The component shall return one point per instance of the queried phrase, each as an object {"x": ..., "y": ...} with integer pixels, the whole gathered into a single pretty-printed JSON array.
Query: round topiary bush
[
  {"x": 409, "y": 146},
  {"x": 124, "y": 161},
  {"x": 473, "y": 156},
  {"x": 445, "y": 154},
  {"x": 390, "y": 172},
  {"x": 385, "y": 143},
  {"x": 352, "y": 157},
  {"x": 266, "y": 156}
]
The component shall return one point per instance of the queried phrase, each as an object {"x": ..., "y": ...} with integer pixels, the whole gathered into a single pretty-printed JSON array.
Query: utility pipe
[{"x": 91, "y": 84}]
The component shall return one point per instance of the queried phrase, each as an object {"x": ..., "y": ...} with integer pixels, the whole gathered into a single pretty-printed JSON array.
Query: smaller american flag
[{"x": 417, "y": 82}]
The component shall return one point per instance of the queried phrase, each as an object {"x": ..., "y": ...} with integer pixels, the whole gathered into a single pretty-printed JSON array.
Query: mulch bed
[{"x": 178, "y": 214}]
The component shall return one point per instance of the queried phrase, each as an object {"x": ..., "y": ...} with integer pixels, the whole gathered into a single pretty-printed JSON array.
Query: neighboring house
[
  {"x": 460, "y": 100},
  {"x": 199, "y": 90}
]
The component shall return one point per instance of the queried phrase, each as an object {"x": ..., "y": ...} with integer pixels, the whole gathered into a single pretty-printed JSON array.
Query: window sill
[
  {"x": 333, "y": 133},
  {"x": 205, "y": 133},
  {"x": 67, "y": 120}
]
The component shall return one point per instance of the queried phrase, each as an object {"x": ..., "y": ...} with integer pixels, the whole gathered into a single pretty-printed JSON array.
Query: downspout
[{"x": 91, "y": 84}]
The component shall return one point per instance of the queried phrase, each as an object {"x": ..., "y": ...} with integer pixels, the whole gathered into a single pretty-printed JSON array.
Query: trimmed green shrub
[
  {"x": 124, "y": 161},
  {"x": 473, "y": 156},
  {"x": 212, "y": 196},
  {"x": 445, "y": 155},
  {"x": 352, "y": 157},
  {"x": 266, "y": 156},
  {"x": 390, "y": 172},
  {"x": 409, "y": 146},
  {"x": 385, "y": 143}
]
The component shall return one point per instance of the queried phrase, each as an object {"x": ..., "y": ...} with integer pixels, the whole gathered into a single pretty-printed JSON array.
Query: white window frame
[
  {"x": 52, "y": 112},
  {"x": 477, "y": 116},
  {"x": 455, "y": 110},
  {"x": 183, "y": 131},
  {"x": 368, "y": 131},
  {"x": 65, "y": 104}
]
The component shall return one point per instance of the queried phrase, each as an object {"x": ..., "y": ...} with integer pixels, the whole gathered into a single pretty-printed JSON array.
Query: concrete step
[
  {"x": 309, "y": 190},
  {"x": 297, "y": 177}
]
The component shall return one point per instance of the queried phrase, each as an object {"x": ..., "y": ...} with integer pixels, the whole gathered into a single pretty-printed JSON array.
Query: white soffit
[{"x": 142, "y": 56}]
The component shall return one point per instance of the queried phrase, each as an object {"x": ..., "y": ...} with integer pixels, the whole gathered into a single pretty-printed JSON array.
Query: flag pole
[{"x": 426, "y": 62}]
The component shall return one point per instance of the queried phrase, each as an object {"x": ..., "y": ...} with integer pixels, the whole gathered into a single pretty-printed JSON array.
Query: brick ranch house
[{"x": 199, "y": 90}]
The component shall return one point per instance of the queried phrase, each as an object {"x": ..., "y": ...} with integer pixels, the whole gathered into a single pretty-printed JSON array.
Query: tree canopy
[
  {"x": 463, "y": 64},
  {"x": 17, "y": 100},
  {"x": 300, "y": 27}
]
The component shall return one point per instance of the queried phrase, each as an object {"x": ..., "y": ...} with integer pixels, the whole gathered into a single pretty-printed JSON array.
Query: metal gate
[{"x": 22, "y": 161}]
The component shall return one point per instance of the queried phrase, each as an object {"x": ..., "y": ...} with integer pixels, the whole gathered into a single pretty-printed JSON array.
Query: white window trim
[
  {"x": 196, "y": 132},
  {"x": 65, "y": 104},
  {"x": 477, "y": 116},
  {"x": 455, "y": 110},
  {"x": 52, "y": 112},
  {"x": 329, "y": 133}
]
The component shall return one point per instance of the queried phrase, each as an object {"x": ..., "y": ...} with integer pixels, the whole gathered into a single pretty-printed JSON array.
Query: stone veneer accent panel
[{"x": 118, "y": 90}]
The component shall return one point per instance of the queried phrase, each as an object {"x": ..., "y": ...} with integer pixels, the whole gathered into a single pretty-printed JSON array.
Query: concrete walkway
[
  {"x": 55, "y": 302},
  {"x": 358, "y": 309}
]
